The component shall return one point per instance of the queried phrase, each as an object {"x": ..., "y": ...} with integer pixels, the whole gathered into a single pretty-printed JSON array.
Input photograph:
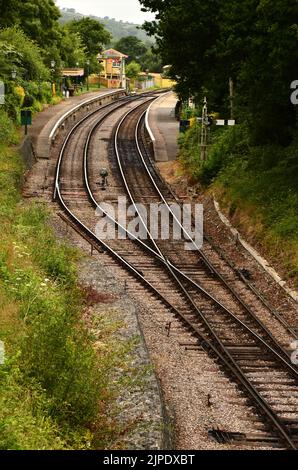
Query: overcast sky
[{"x": 126, "y": 10}]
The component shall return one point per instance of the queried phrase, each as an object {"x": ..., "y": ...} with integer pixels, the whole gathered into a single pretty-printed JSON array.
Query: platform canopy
[{"x": 73, "y": 72}]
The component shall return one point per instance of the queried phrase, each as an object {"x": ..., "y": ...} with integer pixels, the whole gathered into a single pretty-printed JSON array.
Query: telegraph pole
[
  {"x": 231, "y": 93},
  {"x": 204, "y": 131}
]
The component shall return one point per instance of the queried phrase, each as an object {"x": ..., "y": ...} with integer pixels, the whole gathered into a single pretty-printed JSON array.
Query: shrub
[
  {"x": 21, "y": 93},
  {"x": 7, "y": 129}
]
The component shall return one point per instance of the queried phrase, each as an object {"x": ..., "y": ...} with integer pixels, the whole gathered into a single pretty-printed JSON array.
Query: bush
[
  {"x": 21, "y": 93},
  {"x": 7, "y": 129},
  {"x": 261, "y": 182},
  {"x": 227, "y": 144},
  {"x": 21, "y": 428},
  {"x": 189, "y": 150}
]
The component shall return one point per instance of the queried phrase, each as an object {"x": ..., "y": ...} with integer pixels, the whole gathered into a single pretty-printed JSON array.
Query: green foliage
[
  {"x": 55, "y": 386},
  {"x": 151, "y": 61},
  {"x": 73, "y": 50},
  {"x": 186, "y": 39},
  {"x": 131, "y": 46},
  {"x": 259, "y": 180},
  {"x": 254, "y": 42},
  {"x": 139, "y": 52},
  {"x": 38, "y": 19},
  {"x": 7, "y": 130},
  {"x": 20, "y": 429},
  {"x": 133, "y": 70},
  {"x": 189, "y": 150},
  {"x": 92, "y": 33},
  {"x": 24, "y": 55}
]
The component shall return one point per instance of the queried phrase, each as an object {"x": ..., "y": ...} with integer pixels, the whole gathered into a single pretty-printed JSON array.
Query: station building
[{"x": 113, "y": 73}]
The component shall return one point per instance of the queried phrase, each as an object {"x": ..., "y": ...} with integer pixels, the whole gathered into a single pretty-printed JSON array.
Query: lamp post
[
  {"x": 88, "y": 72},
  {"x": 204, "y": 131},
  {"x": 14, "y": 74},
  {"x": 100, "y": 61},
  {"x": 53, "y": 64},
  {"x": 77, "y": 78}
]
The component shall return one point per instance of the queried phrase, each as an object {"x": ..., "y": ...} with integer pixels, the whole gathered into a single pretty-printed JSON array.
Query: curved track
[{"x": 185, "y": 281}]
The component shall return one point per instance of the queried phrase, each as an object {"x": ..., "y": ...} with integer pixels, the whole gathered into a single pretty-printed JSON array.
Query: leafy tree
[
  {"x": 139, "y": 52},
  {"x": 93, "y": 34},
  {"x": 151, "y": 61},
  {"x": 271, "y": 65},
  {"x": 20, "y": 52},
  {"x": 131, "y": 46},
  {"x": 38, "y": 19},
  {"x": 9, "y": 12},
  {"x": 72, "y": 48},
  {"x": 186, "y": 39},
  {"x": 254, "y": 42},
  {"x": 133, "y": 70}
]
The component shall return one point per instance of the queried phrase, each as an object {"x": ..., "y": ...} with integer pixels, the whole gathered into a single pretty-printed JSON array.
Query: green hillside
[{"x": 118, "y": 29}]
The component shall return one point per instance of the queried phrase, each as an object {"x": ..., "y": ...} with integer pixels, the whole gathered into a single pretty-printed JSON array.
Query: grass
[
  {"x": 57, "y": 389},
  {"x": 257, "y": 186}
]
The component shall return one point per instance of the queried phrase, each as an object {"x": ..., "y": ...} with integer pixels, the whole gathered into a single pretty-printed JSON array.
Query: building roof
[
  {"x": 73, "y": 72},
  {"x": 112, "y": 54}
]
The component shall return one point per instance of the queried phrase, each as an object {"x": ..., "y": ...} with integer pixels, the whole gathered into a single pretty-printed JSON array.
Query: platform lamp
[
  {"x": 77, "y": 78},
  {"x": 53, "y": 65},
  {"x": 100, "y": 61},
  {"x": 88, "y": 72}
]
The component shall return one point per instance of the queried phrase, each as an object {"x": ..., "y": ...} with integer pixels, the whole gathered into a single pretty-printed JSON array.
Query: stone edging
[{"x": 262, "y": 261}]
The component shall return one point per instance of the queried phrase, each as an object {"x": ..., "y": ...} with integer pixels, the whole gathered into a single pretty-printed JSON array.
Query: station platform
[
  {"x": 44, "y": 122},
  {"x": 164, "y": 127}
]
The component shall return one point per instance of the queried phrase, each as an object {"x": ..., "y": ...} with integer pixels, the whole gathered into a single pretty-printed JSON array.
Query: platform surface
[
  {"x": 165, "y": 128},
  {"x": 44, "y": 121}
]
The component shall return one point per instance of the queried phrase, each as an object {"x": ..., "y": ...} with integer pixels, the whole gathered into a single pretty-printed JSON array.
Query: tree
[
  {"x": 131, "y": 46},
  {"x": 150, "y": 61},
  {"x": 72, "y": 48},
  {"x": 38, "y": 19},
  {"x": 186, "y": 39},
  {"x": 270, "y": 66},
  {"x": 133, "y": 70},
  {"x": 9, "y": 12},
  {"x": 254, "y": 42},
  {"x": 20, "y": 52},
  {"x": 93, "y": 34}
]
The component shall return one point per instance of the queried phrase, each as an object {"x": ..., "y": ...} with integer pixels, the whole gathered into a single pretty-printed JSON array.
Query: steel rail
[
  {"x": 157, "y": 254},
  {"x": 203, "y": 256},
  {"x": 223, "y": 354},
  {"x": 240, "y": 276},
  {"x": 235, "y": 367}
]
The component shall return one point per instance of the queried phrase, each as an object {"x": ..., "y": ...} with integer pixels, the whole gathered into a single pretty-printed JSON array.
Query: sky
[{"x": 126, "y": 10}]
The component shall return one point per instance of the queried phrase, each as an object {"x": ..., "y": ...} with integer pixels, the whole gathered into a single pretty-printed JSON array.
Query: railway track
[{"x": 190, "y": 284}]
